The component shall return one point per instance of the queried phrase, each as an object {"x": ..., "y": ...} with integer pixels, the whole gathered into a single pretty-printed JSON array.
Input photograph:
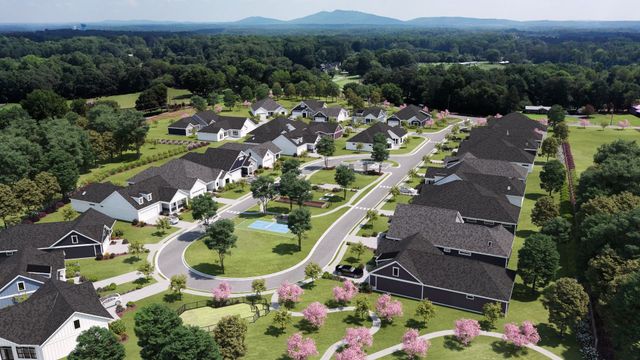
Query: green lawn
[
  {"x": 274, "y": 252},
  {"x": 335, "y": 199},
  {"x": 585, "y": 143},
  {"x": 146, "y": 235},
  {"x": 342, "y": 80},
  {"x": 129, "y": 286},
  {"x": 127, "y": 101},
  {"x": 234, "y": 192},
  {"x": 381, "y": 224},
  {"x": 400, "y": 199},
  {"x": 206, "y": 316},
  {"x": 95, "y": 270},
  {"x": 412, "y": 143},
  {"x": 327, "y": 177}
]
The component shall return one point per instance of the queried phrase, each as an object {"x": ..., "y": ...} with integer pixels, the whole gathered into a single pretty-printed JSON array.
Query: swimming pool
[{"x": 269, "y": 226}]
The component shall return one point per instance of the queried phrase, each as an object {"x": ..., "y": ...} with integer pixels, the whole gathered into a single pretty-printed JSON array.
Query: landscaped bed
[
  {"x": 207, "y": 315},
  {"x": 127, "y": 287}
]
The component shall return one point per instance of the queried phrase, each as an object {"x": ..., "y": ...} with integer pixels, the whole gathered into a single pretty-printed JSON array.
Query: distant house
[
  {"x": 369, "y": 115},
  {"x": 235, "y": 163},
  {"x": 265, "y": 154},
  {"x": 411, "y": 115},
  {"x": 267, "y": 107},
  {"x": 536, "y": 109},
  {"x": 47, "y": 324},
  {"x": 191, "y": 177},
  {"x": 635, "y": 110},
  {"x": 336, "y": 113},
  {"x": 24, "y": 272},
  {"x": 293, "y": 137},
  {"x": 190, "y": 125},
  {"x": 307, "y": 108},
  {"x": 396, "y": 136},
  {"x": 143, "y": 201},
  {"x": 86, "y": 236},
  {"x": 226, "y": 127}
]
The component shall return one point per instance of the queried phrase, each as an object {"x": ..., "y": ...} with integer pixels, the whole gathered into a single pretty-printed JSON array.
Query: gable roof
[
  {"x": 91, "y": 223},
  {"x": 260, "y": 149},
  {"x": 445, "y": 228},
  {"x": 366, "y": 136},
  {"x": 470, "y": 199},
  {"x": 202, "y": 118},
  {"x": 323, "y": 127},
  {"x": 332, "y": 112},
  {"x": 219, "y": 158},
  {"x": 33, "y": 321},
  {"x": 95, "y": 192},
  {"x": 179, "y": 173},
  {"x": 516, "y": 121},
  {"x": 495, "y": 148},
  {"x": 159, "y": 188},
  {"x": 225, "y": 123},
  {"x": 432, "y": 267},
  {"x": 375, "y": 111},
  {"x": 274, "y": 128},
  {"x": 412, "y": 111},
  {"x": 267, "y": 103},
  {"x": 312, "y": 104},
  {"x": 468, "y": 163},
  {"x": 28, "y": 261}
]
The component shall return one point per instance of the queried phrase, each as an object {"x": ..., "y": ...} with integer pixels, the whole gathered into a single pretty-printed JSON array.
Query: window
[
  {"x": 140, "y": 200},
  {"x": 395, "y": 271},
  {"x": 465, "y": 253},
  {"x": 76, "y": 324},
  {"x": 6, "y": 353},
  {"x": 21, "y": 286},
  {"x": 26, "y": 352},
  {"x": 447, "y": 250},
  {"x": 74, "y": 239},
  {"x": 148, "y": 196},
  {"x": 470, "y": 297}
]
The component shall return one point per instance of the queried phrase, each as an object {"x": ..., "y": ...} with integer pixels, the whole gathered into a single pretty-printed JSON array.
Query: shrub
[
  {"x": 118, "y": 233},
  {"x": 118, "y": 327},
  {"x": 119, "y": 309},
  {"x": 125, "y": 241},
  {"x": 134, "y": 222},
  {"x": 99, "y": 257},
  {"x": 131, "y": 304}
]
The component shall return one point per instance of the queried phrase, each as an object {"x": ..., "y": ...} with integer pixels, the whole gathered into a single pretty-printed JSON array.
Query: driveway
[{"x": 170, "y": 259}]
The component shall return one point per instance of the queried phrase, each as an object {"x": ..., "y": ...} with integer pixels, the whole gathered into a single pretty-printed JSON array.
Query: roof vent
[
  {"x": 507, "y": 132},
  {"x": 84, "y": 193},
  {"x": 508, "y": 187},
  {"x": 490, "y": 243}
]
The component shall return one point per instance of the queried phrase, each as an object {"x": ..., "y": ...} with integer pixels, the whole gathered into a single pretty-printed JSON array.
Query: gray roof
[
  {"x": 468, "y": 163},
  {"x": 432, "y": 267},
  {"x": 260, "y": 149},
  {"x": 28, "y": 261},
  {"x": 375, "y": 111},
  {"x": 323, "y": 127},
  {"x": 95, "y": 192},
  {"x": 33, "y": 321},
  {"x": 225, "y": 123},
  {"x": 274, "y": 128},
  {"x": 267, "y": 103},
  {"x": 91, "y": 223},
  {"x": 219, "y": 158},
  {"x": 495, "y": 148},
  {"x": 445, "y": 228},
  {"x": 312, "y": 104},
  {"x": 411, "y": 111},
  {"x": 516, "y": 121},
  {"x": 179, "y": 173},
  {"x": 159, "y": 188},
  {"x": 470, "y": 199},
  {"x": 331, "y": 112},
  {"x": 202, "y": 118},
  {"x": 366, "y": 136}
]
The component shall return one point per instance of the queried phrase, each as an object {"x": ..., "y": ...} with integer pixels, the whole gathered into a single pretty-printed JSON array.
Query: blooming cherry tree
[
  {"x": 222, "y": 292},
  {"x": 246, "y": 103},
  {"x": 217, "y": 108},
  {"x": 351, "y": 353},
  {"x": 481, "y": 122},
  {"x": 299, "y": 348},
  {"x": 429, "y": 122},
  {"x": 425, "y": 109},
  {"x": 289, "y": 293},
  {"x": 345, "y": 292},
  {"x": 414, "y": 346},
  {"x": 466, "y": 330},
  {"x": 402, "y": 106},
  {"x": 544, "y": 122},
  {"x": 388, "y": 308},
  {"x": 358, "y": 337},
  {"x": 584, "y": 123},
  {"x": 315, "y": 314},
  {"x": 498, "y": 116},
  {"x": 521, "y": 335},
  {"x": 386, "y": 104},
  {"x": 623, "y": 124}
]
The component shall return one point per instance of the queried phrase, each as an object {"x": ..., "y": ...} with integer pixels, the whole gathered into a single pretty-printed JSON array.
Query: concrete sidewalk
[{"x": 120, "y": 279}]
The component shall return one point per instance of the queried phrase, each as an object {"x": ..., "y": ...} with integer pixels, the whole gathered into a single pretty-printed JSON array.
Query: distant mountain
[
  {"x": 258, "y": 21},
  {"x": 462, "y": 22},
  {"x": 345, "y": 17}
]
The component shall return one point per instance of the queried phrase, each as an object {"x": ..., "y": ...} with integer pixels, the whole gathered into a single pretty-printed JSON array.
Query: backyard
[{"x": 585, "y": 143}]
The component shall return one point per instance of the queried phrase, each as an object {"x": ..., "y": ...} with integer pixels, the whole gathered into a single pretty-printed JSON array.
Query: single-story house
[
  {"x": 635, "y": 110},
  {"x": 86, "y": 236},
  {"x": 235, "y": 163},
  {"x": 307, "y": 108},
  {"x": 190, "y": 125},
  {"x": 191, "y": 177},
  {"x": 143, "y": 201},
  {"x": 272, "y": 129},
  {"x": 536, "y": 109},
  {"x": 327, "y": 114},
  {"x": 267, "y": 107},
  {"x": 468, "y": 163},
  {"x": 369, "y": 115},
  {"x": 226, "y": 127},
  {"x": 418, "y": 269},
  {"x": 395, "y": 136},
  {"x": 24, "y": 272},
  {"x": 293, "y": 137},
  {"x": 265, "y": 154},
  {"x": 47, "y": 324},
  {"x": 411, "y": 115}
]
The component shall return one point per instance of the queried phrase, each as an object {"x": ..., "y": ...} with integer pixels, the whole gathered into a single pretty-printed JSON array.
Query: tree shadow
[
  {"x": 141, "y": 281},
  {"x": 524, "y": 233},
  {"x": 486, "y": 325},
  {"x": 306, "y": 327},
  {"x": 451, "y": 343},
  {"x": 353, "y": 320},
  {"x": 172, "y": 297},
  {"x": 285, "y": 249},
  {"x": 508, "y": 350},
  {"x": 159, "y": 233},
  {"x": 414, "y": 324},
  {"x": 279, "y": 209},
  {"x": 274, "y": 331},
  {"x": 523, "y": 293},
  {"x": 352, "y": 260},
  {"x": 549, "y": 336},
  {"x": 211, "y": 269},
  {"x": 131, "y": 260},
  {"x": 533, "y": 196}
]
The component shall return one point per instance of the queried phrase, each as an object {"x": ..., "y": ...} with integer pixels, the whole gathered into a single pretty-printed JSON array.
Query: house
[
  {"x": 86, "y": 236},
  {"x": 272, "y": 129},
  {"x": 416, "y": 268},
  {"x": 24, "y": 272},
  {"x": 334, "y": 113},
  {"x": 235, "y": 163},
  {"x": 635, "y": 110},
  {"x": 536, "y": 109},
  {"x": 468, "y": 163},
  {"x": 143, "y": 201},
  {"x": 265, "y": 154},
  {"x": 267, "y": 107},
  {"x": 447, "y": 230},
  {"x": 191, "y": 177},
  {"x": 47, "y": 324},
  {"x": 369, "y": 115},
  {"x": 411, "y": 115},
  {"x": 226, "y": 127},
  {"x": 307, "y": 108},
  {"x": 190, "y": 125},
  {"x": 395, "y": 136},
  {"x": 294, "y": 137}
]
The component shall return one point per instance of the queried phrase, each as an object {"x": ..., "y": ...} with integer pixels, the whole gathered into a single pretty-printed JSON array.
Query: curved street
[{"x": 169, "y": 260}]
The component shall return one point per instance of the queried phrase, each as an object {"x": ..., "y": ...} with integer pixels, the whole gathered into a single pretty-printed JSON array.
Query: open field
[
  {"x": 206, "y": 316},
  {"x": 596, "y": 119},
  {"x": 127, "y": 101},
  {"x": 342, "y": 80},
  {"x": 585, "y": 143}
]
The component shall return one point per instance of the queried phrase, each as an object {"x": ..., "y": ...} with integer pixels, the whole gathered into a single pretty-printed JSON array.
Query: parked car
[
  {"x": 173, "y": 220},
  {"x": 349, "y": 271}
]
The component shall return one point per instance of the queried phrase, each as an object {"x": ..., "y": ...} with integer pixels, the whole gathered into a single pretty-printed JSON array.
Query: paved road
[{"x": 170, "y": 259}]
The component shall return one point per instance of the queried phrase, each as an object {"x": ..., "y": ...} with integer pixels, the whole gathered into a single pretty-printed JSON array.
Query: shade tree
[{"x": 220, "y": 238}]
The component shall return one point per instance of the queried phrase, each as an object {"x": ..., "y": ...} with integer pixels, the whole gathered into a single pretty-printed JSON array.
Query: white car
[{"x": 173, "y": 220}]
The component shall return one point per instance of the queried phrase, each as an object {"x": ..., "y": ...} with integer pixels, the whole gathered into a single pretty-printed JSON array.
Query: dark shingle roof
[
  {"x": 184, "y": 123},
  {"x": 375, "y": 111},
  {"x": 218, "y": 158},
  {"x": 225, "y": 123},
  {"x": 95, "y": 192},
  {"x": 272, "y": 129},
  {"x": 470, "y": 199},
  {"x": 411, "y": 111},
  {"x": 331, "y": 112},
  {"x": 468, "y": 163},
  {"x": 179, "y": 173},
  {"x": 267, "y": 103},
  {"x": 27, "y": 261},
  {"x": 90, "y": 223},
  {"x": 366, "y": 136},
  {"x": 323, "y": 127},
  {"x": 433, "y": 268},
  {"x": 202, "y": 118},
  {"x": 444, "y": 228},
  {"x": 36, "y": 319},
  {"x": 495, "y": 148},
  {"x": 516, "y": 122},
  {"x": 260, "y": 149},
  {"x": 159, "y": 188},
  {"x": 314, "y": 105}
]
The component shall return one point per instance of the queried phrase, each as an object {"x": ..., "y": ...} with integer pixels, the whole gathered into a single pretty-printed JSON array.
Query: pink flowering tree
[
  {"x": 315, "y": 314},
  {"x": 466, "y": 330},
  {"x": 413, "y": 345},
  {"x": 584, "y": 123},
  {"x": 221, "y": 293},
  {"x": 429, "y": 122},
  {"x": 387, "y": 308},
  {"x": 521, "y": 335},
  {"x": 498, "y": 116},
  {"x": 299, "y": 348},
  {"x": 345, "y": 292},
  {"x": 351, "y": 353},
  {"x": 425, "y": 109},
  {"x": 481, "y": 122},
  {"x": 217, "y": 108},
  {"x": 402, "y": 106},
  {"x": 288, "y": 293},
  {"x": 441, "y": 115},
  {"x": 623, "y": 124},
  {"x": 544, "y": 122},
  {"x": 246, "y": 103},
  {"x": 358, "y": 337},
  {"x": 386, "y": 104}
]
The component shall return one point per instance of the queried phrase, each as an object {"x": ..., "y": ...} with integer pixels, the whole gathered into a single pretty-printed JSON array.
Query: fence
[
  {"x": 259, "y": 308},
  {"x": 571, "y": 169}
]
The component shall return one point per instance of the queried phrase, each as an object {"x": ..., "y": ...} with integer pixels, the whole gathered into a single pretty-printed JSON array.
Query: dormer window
[
  {"x": 140, "y": 200},
  {"x": 148, "y": 196}
]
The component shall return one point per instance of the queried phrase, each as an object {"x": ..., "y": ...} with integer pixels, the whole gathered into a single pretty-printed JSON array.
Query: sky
[{"x": 52, "y": 11}]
